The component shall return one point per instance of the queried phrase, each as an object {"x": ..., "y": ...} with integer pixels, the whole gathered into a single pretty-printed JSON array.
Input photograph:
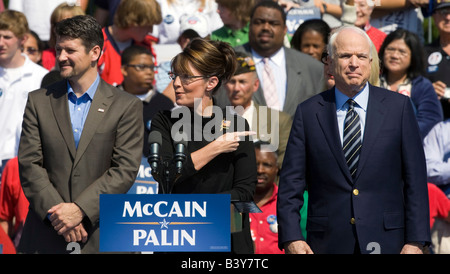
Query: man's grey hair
[{"x": 331, "y": 47}]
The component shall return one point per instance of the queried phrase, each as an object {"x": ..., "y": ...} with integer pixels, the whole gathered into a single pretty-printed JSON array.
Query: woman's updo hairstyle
[{"x": 210, "y": 58}]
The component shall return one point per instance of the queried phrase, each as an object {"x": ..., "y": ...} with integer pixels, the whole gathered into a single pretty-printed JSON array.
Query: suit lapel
[
  {"x": 328, "y": 122},
  {"x": 258, "y": 96},
  {"x": 374, "y": 120},
  {"x": 99, "y": 108},
  {"x": 294, "y": 82},
  {"x": 60, "y": 107}
]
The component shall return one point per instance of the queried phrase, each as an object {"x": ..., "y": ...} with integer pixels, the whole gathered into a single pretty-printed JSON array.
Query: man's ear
[
  {"x": 23, "y": 40},
  {"x": 256, "y": 85},
  {"x": 124, "y": 71},
  {"x": 96, "y": 51}
]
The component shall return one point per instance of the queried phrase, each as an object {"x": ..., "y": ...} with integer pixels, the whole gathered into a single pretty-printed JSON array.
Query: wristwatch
[{"x": 324, "y": 5}]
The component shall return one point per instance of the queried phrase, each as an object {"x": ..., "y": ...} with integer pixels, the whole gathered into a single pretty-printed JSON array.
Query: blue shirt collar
[
  {"x": 90, "y": 92},
  {"x": 361, "y": 98}
]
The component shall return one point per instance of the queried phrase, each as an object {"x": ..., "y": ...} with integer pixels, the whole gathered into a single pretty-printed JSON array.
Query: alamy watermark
[{"x": 190, "y": 125}]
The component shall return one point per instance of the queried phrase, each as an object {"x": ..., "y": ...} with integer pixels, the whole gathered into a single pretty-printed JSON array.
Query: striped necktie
[
  {"x": 269, "y": 88},
  {"x": 352, "y": 138}
]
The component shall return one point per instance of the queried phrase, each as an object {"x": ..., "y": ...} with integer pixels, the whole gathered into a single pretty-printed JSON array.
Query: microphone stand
[
  {"x": 167, "y": 168},
  {"x": 167, "y": 176},
  {"x": 166, "y": 180}
]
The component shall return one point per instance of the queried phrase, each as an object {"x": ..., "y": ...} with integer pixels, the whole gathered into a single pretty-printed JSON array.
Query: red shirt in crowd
[
  {"x": 13, "y": 203},
  {"x": 110, "y": 61},
  {"x": 264, "y": 227},
  {"x": 439, "y": 203},
  {"x": 376, "y": 35},
  {"x": 49, "y": 58}
]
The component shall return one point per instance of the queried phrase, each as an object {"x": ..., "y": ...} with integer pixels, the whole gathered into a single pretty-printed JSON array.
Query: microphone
[
  {"x": 155, "y": 142},
  {"x": 180, "y": 156}
]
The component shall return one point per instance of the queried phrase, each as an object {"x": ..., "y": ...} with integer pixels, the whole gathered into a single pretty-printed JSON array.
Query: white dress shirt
[{"x": 278, "y": 64}]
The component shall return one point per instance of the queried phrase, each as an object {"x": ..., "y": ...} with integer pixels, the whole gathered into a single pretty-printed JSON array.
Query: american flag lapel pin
[{"x": 225, "y": 125}]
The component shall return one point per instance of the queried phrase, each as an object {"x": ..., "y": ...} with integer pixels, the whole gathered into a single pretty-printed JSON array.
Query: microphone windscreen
[{"x": 155, "y": 137}]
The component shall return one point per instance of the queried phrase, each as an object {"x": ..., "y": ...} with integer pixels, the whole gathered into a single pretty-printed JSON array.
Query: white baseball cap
[{"x": 197, "y": 22}]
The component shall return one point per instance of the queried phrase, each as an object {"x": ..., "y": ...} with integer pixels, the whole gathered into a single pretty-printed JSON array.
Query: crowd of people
[{"x": 106, "y": 74}]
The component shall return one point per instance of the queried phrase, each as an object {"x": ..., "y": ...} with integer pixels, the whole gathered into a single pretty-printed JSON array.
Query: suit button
[
  {"x": 355, "y": 192},
  {"x": 352, "y": 221}
]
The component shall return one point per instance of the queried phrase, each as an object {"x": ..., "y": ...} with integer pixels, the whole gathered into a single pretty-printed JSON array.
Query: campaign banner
[
  {"x": 144, "y": 182},
  {"x": 295, "y": 17},
  {"x": 165, "y": 223}
]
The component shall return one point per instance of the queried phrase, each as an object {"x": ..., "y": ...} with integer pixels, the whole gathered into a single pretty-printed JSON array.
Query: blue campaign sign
[
  {"x": 165, "y": 222},
  {"x": 295, "y": 17},
  {"x": 144, "y": 183}
]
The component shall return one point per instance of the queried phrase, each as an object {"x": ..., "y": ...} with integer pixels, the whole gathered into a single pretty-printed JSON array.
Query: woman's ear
[{"x": 213, "y": 81}]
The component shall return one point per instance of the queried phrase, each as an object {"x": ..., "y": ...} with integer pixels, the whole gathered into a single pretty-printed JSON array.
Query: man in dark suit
[
  {"x": 296, "y": 76},
  {"x": 81, "y": 137},
  {"x": 371, "y": 198}
]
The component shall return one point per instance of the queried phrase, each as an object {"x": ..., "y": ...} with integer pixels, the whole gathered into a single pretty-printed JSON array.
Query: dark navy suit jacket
[{"x": 387, "y": 203}]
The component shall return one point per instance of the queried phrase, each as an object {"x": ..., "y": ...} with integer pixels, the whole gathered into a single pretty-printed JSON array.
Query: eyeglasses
[
  {"x": 141, "y": 67},
  {"x": 391, "y": 51},
  {"x": 31, "y": 50},
  {"x": 324, "y": 58},
  {"x": 185, "y": 79}
]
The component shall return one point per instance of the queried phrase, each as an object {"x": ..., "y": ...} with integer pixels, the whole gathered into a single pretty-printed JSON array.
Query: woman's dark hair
[
  {"x": 210, "y": 58},
  {"x": 417, "y": 66},
  {"x": 313, "y": 24},
  {"x": 39, "y": 42}
]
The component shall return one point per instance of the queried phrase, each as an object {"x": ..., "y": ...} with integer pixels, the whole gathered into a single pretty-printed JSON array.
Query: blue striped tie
[{"x": 352, "y": 138}]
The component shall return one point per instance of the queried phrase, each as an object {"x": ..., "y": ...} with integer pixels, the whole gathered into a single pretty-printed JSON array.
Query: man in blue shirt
[
  {"x": 437, "y": 153},
  {"x": 364, "y": 170},
  {"x": 79, "y": 108}
]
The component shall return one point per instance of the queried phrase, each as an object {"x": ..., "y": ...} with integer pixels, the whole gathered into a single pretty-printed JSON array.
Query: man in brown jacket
[{"x": 81, "y": 137}]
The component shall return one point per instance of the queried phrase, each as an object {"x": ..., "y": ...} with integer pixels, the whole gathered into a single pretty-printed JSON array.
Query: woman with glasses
[
  {"x": 219, "y": 153},
  {"x": 33, "y": 47},
  {"x": 403, "y": 67}
]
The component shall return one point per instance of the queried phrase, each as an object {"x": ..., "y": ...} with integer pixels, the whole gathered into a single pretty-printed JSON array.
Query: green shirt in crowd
[{"x": 234, "y": 37}]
